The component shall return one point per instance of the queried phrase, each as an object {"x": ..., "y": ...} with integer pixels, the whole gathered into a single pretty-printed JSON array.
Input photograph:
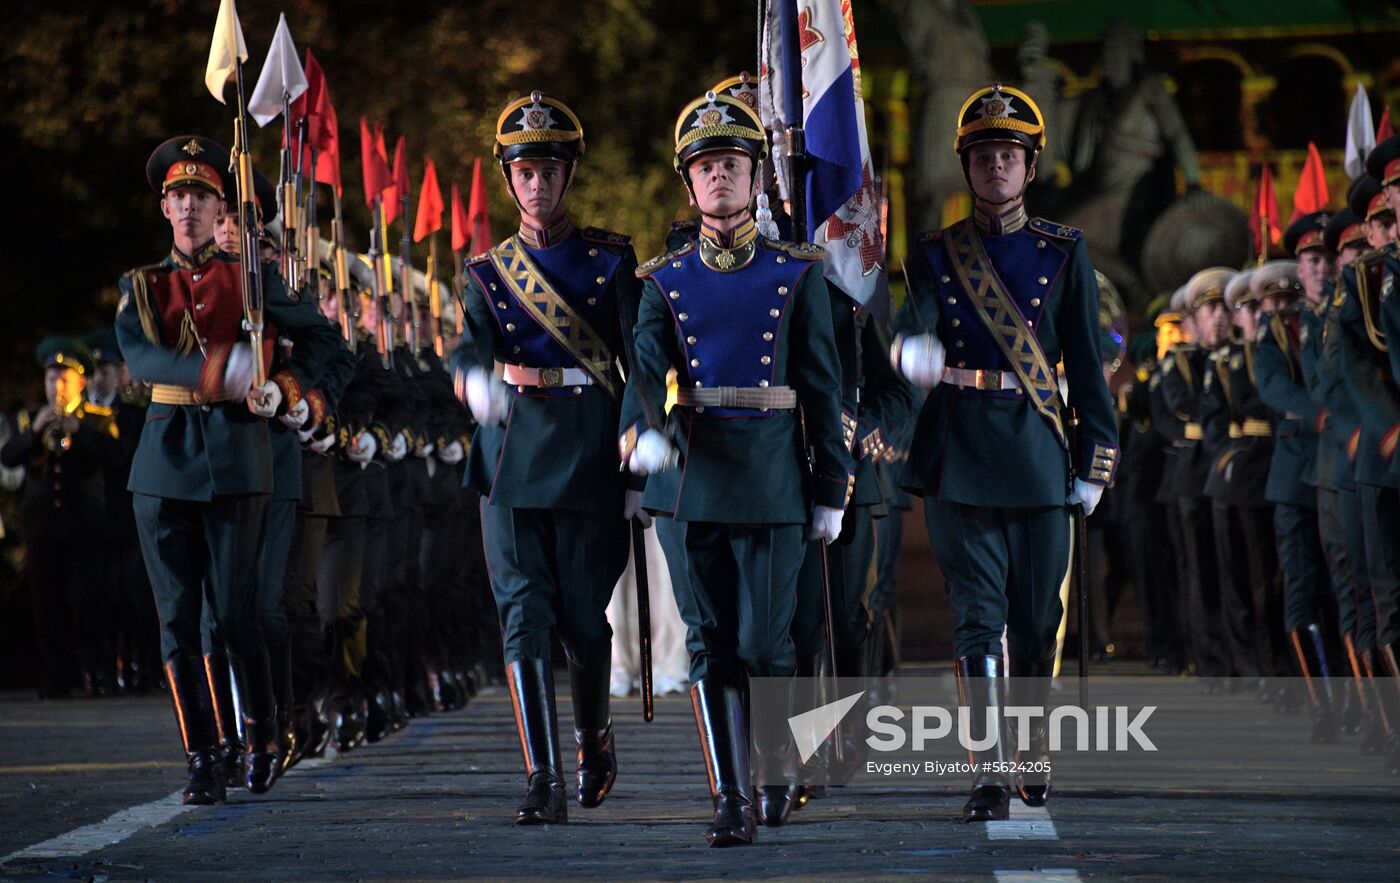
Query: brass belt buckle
[
  {"x": 988, "y": 380},
  {"x": 551, "y": 377}
]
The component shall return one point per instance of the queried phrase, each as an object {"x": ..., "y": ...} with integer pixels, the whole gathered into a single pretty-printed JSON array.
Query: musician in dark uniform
[
  {"x": 995, "y": 303},
  {"x": 66, "y": 452},
  {"x": 536, "y": 365},
  {"x": 203, "y": 469},
  {"x": 746, "y": 323}
]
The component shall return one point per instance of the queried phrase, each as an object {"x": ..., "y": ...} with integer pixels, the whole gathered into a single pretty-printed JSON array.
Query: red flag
[
  {"x": 460, "y": 235},
  {"x": 1265, "y": 212},
  {"x": 322, "y": 127},
  {"x": 1384, "y": 130},
  {"x": 1311, "y": 195},
  {"x": 429, "y": 218},
  {"x": 394, "y": 193},
  {"x": 376, "y": 174},
  {"x": 478, "y": 214}
]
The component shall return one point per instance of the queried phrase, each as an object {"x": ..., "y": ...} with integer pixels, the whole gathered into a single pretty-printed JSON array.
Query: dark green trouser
[
  {"x": 189, "y": 546},
  {"x": 736, "y": 587},
  {"x": 1003, "y": 569},
  {"x": 848, "y": 560},
  {"x": 554, "y": 570}
]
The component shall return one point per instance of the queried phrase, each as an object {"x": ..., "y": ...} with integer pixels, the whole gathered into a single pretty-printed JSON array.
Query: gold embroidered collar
[
  {"x": 1000, "y": 224},
  {"x": 535, "y": 237},
  {"x": 202, "y": 255},
  {"x": 728, "y": 250}
]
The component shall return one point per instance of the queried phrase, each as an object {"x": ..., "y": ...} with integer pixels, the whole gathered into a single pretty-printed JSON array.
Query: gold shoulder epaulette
[
  {"x": 660, "y": 260},
  {"x": 803, "y": 251},
  {"x": 1051, "y": 228},
  {"x": 607, "y": 237},
  {"x": 98, "y": 410}
]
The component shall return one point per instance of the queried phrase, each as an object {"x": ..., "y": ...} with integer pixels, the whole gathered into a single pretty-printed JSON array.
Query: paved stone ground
[{"x": 436, "y": 802}]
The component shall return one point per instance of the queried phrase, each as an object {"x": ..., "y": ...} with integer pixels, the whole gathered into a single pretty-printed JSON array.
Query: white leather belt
[
  {"x": 980, "y": 378},
  {"x": 544, "y": 378}
]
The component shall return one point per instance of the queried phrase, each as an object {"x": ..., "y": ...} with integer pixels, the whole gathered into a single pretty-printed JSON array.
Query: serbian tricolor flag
[{"x": 810, "y": 58}]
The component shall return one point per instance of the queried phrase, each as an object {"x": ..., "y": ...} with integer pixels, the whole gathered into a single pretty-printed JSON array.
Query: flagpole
[
  {"x": 348, "y": 302},
  {"x": 435, "y": 294},
  {"x": 247, "y": 221},
  {"x": 458, "y": 289},
  {"x": 410, "y": 297},
  {"x": 384, "y": 285},
  {"x": 311, "y": 253},
  {"x": 287, "y": 193},
  {"x": 794, "y": 137}
]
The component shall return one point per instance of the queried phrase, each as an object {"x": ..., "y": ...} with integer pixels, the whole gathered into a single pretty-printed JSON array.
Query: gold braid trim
[{"x": 141, "y": 294}]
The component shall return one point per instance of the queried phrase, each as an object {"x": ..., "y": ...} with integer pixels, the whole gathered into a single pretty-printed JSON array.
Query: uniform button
[
  {"x": 204, "y": 340},
  {"x": 510, "y": 326},
  {"x": 691, "y": 339},
  {"x": 1030, "y": 323},
  {"x": 593, "y": 252},
  {"x": 781, "y": 259},
  {"x": 515, "y": 349},
  {"x": 593, "y": 301},
  {"x": 699, "y": 409},
  {"x": 782, "y": 289},
  {"x": 763, "y": 384},
  {"x": 578, "y": 390},
  {"x": 197, "y": 276},
  {"x": 957, "y": 322},
  {"x": 601, "y": 279},
  {"x": 675, "y": 294},
  {"x": 676, "y": 264},
  {"x": 493, "y": 286},
  {"x": 204, "y": 408},
  {"x": 1035, "y": 301},
  {"x": 766, "y": 360},
  {"x": 775, "y": 313},
  {"x": 952, "y": 300},
  {"x": 962, "y": 364},
  {"x": 1042, "y": 280},
  {"x": 959, "y": 344},
  {"x": 767, "y": 335},
  {"x": 695, "y": 363},
  {"x": 699, "y": 383},
  {"x": 1040, "y": 243},
  {"x": 199, "y": 306},
  {"x": 945, "y": 278},
  {"x": 683, "y": 316},
  {"x": 501, "y": 304},
  {"x": 57, "y": 468}
]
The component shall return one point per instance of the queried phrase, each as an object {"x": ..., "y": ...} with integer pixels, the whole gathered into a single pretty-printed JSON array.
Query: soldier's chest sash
[
  {"x": 198, "y": 306},
  {"x": 729, "y": 325},
  {"x": 1374, "y": 282},
  {"x": 550, "y": 308}
]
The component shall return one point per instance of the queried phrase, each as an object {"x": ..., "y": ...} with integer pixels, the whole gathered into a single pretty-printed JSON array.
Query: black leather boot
[
  {"x": 1312, "y": 661},
  {"x": 1030, "y": 686},
  {"x": 532, "y": 692},
  {"x": 979, "y": 690},
  {"x": 216, "y": 672},
  {"x": 719, "y": 718},
  {"x": 288, "y": 747},
  {"x": 1376, "y": 730},
  {"x": 814, "y": 773},
  {"x": 194, "y": 713},
  {"x": 263, "y": 760},
  {"x": 593, "y": 732},
  {"x": 1390, "y": 701},
  {"x": 776, "y": 782}
]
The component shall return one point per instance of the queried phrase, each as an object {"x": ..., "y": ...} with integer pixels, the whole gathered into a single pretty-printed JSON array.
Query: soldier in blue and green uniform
[
  {"x": 1292, "y": 292},
  {"x": 537, "y": 366},
  {"x": 66, "y": 451},
  {"x": 746, "y": 324},
  {"x": 203, "y": 470},
  {"x": 995, "y": 302}
]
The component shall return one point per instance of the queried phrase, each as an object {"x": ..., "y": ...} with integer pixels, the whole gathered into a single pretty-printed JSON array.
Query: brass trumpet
[{"x": 55, "y": 437}]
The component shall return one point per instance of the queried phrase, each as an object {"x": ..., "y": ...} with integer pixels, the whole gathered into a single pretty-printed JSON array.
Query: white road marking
[
  {"x": 115, "y": 829},
  {"x": 1059, "y": 875},
  {"x": 1026, "y": 823}
]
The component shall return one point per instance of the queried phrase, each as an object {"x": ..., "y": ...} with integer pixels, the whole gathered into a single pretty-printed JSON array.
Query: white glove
[
  {"x": 486, "y": 396},
  {"x": 652, "y": 454},
  {"x": 238, "y": 371},
  {"x": 921, "y": 359},
  {"x": 452, "y": 454},
  {"x": 826, "y": 524},
  {"x": 304, "y": 435},
  {"x": 264, "y": 400},
  {"x": 425, "y": 451},
  {"x": 398, "y": 449},
  {"x": 321, "y": 445},
  {"x": 296, "y": 415},
  {"x": 363, "y": 448},
  {"x": 1086, "y": 495},
  {"x": 632, "y": 508}
]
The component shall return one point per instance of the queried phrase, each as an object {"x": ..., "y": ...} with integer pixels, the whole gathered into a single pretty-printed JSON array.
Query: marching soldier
[
  {"x": 745, "y": 322},
  {"x": 66, "y": 451},
  {"x": 203, "y": 469},
  {"x": 1293, "y": 485},
  {"x": 995, "y": 302},
  {"x": 536, "y": 366}
]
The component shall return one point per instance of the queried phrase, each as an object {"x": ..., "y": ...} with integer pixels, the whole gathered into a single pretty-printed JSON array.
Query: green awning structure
[{"x": 1083, "y": 20}]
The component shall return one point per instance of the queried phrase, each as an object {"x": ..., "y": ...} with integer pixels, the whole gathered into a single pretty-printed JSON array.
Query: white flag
[
  {"x": 282, "y": 78},
  {"x": 1361, "y": 134},
  {"x": 226, "y": 50}
]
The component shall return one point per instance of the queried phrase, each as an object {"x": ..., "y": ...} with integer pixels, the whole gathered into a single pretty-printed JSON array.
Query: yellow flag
[{"x": 225, "y": 51}]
